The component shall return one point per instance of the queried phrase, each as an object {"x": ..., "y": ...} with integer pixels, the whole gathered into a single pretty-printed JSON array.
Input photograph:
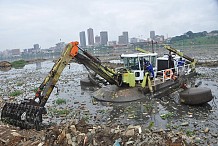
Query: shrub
[
  {"x": 60, "y": 101},
  {"x": 18, "y": 64}
]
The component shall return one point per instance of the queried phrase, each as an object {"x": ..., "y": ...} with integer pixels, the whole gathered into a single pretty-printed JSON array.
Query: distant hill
[{"x": 199, "y": 38}]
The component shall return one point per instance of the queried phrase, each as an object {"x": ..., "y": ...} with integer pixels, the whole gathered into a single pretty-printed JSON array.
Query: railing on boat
[{"x": 177, "y": 71}]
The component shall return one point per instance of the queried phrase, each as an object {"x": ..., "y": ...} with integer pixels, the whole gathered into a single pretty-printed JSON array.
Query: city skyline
[{"x": 23, "y": 23}]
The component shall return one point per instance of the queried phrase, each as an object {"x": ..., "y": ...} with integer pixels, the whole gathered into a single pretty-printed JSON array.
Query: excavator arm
[
  {"x": 28, "y": 114},
  {"x": 171, "y": 49},
  {"x": 47, "y": 86}
]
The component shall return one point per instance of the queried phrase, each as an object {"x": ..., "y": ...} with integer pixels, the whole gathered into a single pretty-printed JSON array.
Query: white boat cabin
[{"x": 135, "y": 63}]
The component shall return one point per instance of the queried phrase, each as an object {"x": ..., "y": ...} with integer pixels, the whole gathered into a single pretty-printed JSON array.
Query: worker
[
  {"x": 180, "y": 65},
  {"x": 180, "y": 62},
  {"x": 148, "y": 66}
]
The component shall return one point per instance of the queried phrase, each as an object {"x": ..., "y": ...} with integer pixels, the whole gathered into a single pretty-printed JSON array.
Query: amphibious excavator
[{"x": 28, "y": 114}]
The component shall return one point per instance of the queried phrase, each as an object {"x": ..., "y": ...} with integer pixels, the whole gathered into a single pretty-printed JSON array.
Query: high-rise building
[
  {"x": 133, "y": 40},
  {"x": 121, "y": 39},
  {"x": 60, "y": 46},
  {"x": 82, "y": 36},
  {"x": 152, "y": 35},
  {"x": 90, "y": 37},
  {"x": 97, "y": 39},
  {"x": 103, "y": 37},
  {"x": 36, "y": 46},
  {"x": 126, "y": 37},
  {"x": 15, "y": 52}
]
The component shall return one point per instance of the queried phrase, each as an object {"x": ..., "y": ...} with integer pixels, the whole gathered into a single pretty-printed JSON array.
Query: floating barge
[{"x": 168, "y": 75}]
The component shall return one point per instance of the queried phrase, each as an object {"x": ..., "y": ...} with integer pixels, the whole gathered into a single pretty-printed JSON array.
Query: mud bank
[{"x": 4, "y": 64}]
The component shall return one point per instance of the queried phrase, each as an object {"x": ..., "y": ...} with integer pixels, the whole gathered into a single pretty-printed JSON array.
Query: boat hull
[{"x": 112, "y": 93}]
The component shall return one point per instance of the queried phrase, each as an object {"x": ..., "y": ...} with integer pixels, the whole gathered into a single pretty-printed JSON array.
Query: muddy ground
[{"x": 75, "y": 118}]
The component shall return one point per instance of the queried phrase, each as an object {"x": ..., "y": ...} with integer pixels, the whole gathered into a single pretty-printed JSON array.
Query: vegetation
[
  {"x": 166, "y": 116},
  {"x": 189, "y": 133},
  {"x": 35, "y": 90},
  {"x": 148, "y": 107},
  {"x": 86, "y": 118},
  {"x": 151, "y": 124},
  {"x": 16, "y": 93},
  {"x": 60, "y": 101},
  {"x": 18, "y": 64},
  {"x": 168, "y": 125},
  {"x": 61, "y": 111},
  {"x": 199, "y": 38}
]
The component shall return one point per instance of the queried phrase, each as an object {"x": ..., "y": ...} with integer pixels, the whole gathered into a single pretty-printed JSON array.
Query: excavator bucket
[{"x": 22, "y": 115}]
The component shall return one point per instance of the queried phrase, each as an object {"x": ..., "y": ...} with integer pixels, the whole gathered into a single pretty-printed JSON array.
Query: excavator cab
[{"x": 135, "y": 63}]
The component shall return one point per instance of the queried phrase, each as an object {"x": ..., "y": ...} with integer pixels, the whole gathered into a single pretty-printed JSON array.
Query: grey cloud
[{"x": 28, "y": 21}]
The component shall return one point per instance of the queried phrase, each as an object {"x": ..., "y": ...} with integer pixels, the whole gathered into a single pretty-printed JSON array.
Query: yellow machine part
[
  {"x": 147, "y": 79},
  {"x": 129, "y": 78},
  {"x": 141, "y": 50}
]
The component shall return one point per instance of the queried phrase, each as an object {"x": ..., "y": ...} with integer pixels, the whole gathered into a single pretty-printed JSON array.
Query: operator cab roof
[{"x": 137, "y": 55}]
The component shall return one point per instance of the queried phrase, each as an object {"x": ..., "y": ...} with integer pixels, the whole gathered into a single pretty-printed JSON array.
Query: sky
[{"x": 44, "y": 22}]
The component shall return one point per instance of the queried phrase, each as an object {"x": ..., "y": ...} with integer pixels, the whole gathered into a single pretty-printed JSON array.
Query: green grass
[
  {"x": 168, "y": 125},
  {"x": 61, "y": 111},
  {"x": 148, "y": 107},
  {"x": 18, "y": 64},
  {"x": 151, "y": 124},
  {"x": 16, "y": 93},
  {"x": 166, "y": 116},
  {"x": 60, "y": 101},
  {"x": 189, "y": 133},
  {"x": 35, "y": 90}
]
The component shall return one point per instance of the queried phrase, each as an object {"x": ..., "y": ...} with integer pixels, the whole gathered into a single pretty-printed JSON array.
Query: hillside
[{"x": 199, "y": 38}]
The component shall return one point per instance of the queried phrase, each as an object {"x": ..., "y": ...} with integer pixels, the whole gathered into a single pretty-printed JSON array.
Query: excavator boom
[{"x": 171, "y": 49}]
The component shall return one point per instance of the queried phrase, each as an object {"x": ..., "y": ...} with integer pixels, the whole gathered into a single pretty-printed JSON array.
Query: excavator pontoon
[{"x": 141, "y": 70}]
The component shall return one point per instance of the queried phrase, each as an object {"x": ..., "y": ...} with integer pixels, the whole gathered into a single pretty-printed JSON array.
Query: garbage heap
[{"x": 79, "y": 133}]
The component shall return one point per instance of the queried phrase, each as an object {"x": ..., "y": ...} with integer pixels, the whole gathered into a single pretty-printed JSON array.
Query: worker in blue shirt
[
  {"x": 148, "y": 66},
  {"x": 180, "y": 65},
  {"x": 180, "y": 62}
]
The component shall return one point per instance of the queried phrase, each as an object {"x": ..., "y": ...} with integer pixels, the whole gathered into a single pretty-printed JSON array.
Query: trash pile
[
  {"x": 5, "y": 64},
  {"x": 80, "y": 133}
]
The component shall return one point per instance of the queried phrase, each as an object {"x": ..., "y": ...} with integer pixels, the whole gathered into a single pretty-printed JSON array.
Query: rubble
[
  {"x": 73, "y": 133},
  {"x": 5, "y": 64}
]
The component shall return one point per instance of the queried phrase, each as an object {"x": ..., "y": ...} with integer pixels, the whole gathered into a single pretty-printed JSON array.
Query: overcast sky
[{"x": 26, "y": 22}]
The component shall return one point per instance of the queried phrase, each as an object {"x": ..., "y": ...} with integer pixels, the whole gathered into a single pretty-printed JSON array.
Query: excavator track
[{"x": 22, "y": 115}]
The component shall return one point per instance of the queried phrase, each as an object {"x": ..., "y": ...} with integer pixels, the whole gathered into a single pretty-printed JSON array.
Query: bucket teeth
[{"x": 22, "y": 115}]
